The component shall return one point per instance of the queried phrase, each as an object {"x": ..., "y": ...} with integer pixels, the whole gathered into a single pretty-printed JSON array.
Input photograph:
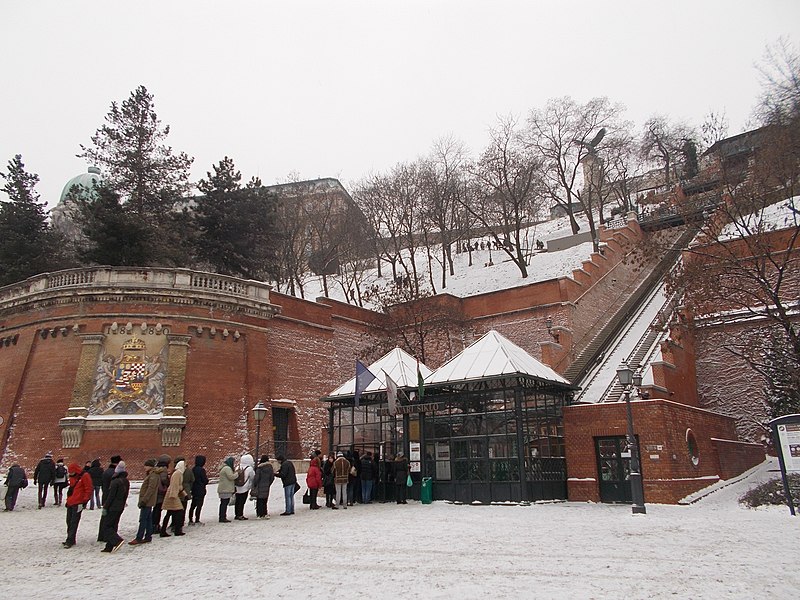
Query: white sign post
[{"x": 786, "y": 436}]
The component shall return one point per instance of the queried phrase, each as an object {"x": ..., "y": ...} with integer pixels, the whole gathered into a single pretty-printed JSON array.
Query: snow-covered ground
[{"x": 711, "y": 549}]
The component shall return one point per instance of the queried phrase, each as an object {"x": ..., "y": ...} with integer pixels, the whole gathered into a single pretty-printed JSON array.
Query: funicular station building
[{"x": 488, "y": 427}]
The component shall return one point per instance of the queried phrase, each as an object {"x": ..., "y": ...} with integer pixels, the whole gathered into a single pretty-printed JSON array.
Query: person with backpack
[
  {"x": 262, "y": 481},
  {"x": 198, "y": 489},
  {"x": 244, "y": 481},
  {"x": 226, "y": 488},
  {"x": 162, "y": 467},
  {"x": 78, "y": 494},
  {"x": 43, "y": 475},
  {"x": 16, "y": 480},
  {"x": 60, "y": 482}
]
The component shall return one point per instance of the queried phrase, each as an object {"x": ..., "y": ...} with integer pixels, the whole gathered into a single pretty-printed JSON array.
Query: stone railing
[{"x": 126, "y": 279}]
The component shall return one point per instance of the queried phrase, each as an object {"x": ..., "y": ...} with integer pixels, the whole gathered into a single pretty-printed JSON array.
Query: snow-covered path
[{"x": 711, "y": 549}]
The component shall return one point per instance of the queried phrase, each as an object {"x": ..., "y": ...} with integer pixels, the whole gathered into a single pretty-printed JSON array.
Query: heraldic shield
[{"x": 130, "y": 383}]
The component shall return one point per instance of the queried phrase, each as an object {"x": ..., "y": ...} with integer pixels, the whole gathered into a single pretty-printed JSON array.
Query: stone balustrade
[{"x": 146, "y": 279}]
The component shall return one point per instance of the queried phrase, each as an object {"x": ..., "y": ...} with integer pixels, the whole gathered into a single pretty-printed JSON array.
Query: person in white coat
[{"x": 243, "y": 485}]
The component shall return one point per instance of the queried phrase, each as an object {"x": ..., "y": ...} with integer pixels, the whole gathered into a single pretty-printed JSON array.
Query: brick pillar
[
  {"x": 73, "y": 423},
  {"x": 174, "y": 416}
]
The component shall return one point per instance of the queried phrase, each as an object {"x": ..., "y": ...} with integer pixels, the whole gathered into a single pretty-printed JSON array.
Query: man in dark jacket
[
  {"x": 96, "y": 471},
  {"x": 113, "y": 505},
  {"x": 367, "y": 478},
  {"x": 15, "y": 480},
  {"x": 108, "y": 475},
  {"x": 287, "y": 474},
  {"x": 43, "y": 475},
  {"x": 198, "y": 489}
]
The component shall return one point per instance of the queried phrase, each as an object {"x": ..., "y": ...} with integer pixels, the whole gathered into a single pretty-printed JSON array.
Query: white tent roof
[
  {"x": 401, "y": 367},
  {"x": 492, "y": 356}
]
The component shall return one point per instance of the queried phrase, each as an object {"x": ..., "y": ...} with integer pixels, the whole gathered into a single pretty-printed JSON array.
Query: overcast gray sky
[{"x": 340, "y": 88}]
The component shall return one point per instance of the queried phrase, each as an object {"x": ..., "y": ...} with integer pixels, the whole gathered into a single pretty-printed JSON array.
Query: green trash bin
[{"x": 426, "y": 491}]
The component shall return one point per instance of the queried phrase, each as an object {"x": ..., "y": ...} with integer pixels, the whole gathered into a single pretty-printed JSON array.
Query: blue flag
[{"x": 363, "y": 378}]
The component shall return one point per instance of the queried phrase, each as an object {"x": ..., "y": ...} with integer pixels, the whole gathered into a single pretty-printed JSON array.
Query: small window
[{"x": 691, "y": 445}]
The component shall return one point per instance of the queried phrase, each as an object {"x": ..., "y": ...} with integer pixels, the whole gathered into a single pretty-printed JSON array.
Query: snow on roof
[
  {"x": 398, "y": 364},
  {"x": 492, "y": 356}
]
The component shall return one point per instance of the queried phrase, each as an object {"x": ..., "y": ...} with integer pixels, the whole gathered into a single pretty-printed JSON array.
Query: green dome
[{"x": 88, "y": 180}]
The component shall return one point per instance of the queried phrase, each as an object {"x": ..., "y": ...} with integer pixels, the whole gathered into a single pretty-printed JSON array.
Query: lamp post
[
  {"x": 626, "y": 378},
  {"x": 259, "y": 412}
]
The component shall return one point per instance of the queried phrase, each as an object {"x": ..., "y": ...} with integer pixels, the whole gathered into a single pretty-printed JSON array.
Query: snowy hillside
[{"x": 481, "y": 276}]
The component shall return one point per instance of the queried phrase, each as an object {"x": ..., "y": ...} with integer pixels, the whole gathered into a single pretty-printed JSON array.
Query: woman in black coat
[
  {"x": 262, "y": 481},
  {"x": 198, "y": 488},
  {"x": 113, "y": 505},
  {"x": 329, "y": 482}
]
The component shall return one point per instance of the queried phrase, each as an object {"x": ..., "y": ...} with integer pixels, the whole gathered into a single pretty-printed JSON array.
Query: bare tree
[
  {"x": 663, "y": 143},
  {"x": 443, "y": 177},
  {"x": 508, "y": 182},
  {"x": 567, "y": 135}
]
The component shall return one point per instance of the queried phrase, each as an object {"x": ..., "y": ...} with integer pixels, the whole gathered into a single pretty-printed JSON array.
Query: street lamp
[
  {"x": 627, "y": 376},
  {"x": 259, "y": 412}
]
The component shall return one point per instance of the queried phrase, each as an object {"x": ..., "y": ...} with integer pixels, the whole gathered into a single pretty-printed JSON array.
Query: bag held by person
[
  {"x": 353, "y": 471},
  {"x": 307, "y": 498},
  {"x": 24, "y": 483},
  {"x": 240, "y": 478},
  {"x": 409, "y": 483},
  {"x": 296, "y": 487}
]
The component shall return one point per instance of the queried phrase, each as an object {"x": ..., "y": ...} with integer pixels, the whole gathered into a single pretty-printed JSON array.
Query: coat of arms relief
[{"x": 130, "y": 376}]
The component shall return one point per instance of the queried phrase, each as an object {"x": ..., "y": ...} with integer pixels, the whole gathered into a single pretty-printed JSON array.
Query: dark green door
[
  {"x": 280, "y": 431},
  {"x": 613, "y": 468}
]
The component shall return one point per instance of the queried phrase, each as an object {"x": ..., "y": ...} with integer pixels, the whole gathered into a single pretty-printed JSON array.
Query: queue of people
[{"x": 168, "y": 486}]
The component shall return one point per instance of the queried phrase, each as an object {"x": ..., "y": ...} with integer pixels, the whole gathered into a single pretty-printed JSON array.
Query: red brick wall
[{"x": 668, "y": 471}]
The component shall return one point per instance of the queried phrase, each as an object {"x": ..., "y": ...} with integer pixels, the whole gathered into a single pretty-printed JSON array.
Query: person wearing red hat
[{"x": 78, "y": 494}]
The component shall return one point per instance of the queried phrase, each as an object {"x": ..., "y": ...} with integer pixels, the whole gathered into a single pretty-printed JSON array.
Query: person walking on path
[
  {"x": 148, "y": 494},
  {"x": 314, "y": 482},
  {"x": 198, "y": 489},
  {"x": 173, "y": 501},
  {"x": 262, "y": 480},
  {"x": 341, "y": 472},
  {"x": 60, "y": 482},
  {"x": 287, "y": 475},
  {"x": 78, "y": 494},
  {"x": 108, "y": 475},
  {"x": 226, "y": 488},
  {"x": 243, "y": 485},
  {"x": 162, "y": 468},
  {"x": 15, "y": 481},
  {"x": 96, "y": 471},
  {"x": 113, "y": 507},
  {"x": 400, "y": 477},
  {"x": 44, "y": 474}
]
